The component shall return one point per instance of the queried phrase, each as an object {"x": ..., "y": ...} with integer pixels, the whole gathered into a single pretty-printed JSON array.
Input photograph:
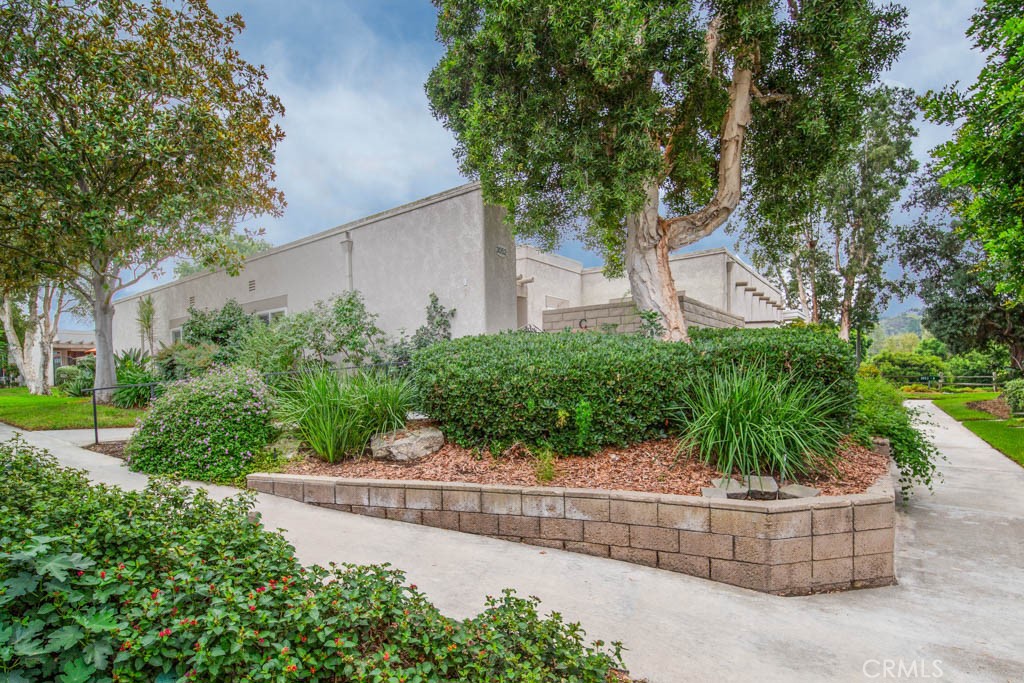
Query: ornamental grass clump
[
  {"x": 750, "y": 421},
  {"x": 210, "y": 428},
  {"x": 167, "y": 584},
  {"x": 337, "y": 415}
]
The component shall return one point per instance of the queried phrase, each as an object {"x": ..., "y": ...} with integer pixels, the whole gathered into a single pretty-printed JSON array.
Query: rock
[
  {"x": 713, "y": 492},
  {"x": 731, "y": 487},
  {"x": 798, "y": 491},
  {"x": 762, "y": 488},
  {"x": 407, "y": 445}
]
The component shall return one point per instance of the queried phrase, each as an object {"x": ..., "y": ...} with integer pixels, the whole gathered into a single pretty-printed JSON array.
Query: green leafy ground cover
[
  {"x": 20, "y": 409},
  {"x": 168, "y": 585}
]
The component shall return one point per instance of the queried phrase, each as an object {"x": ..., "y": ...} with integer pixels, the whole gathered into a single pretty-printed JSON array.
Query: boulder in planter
[{"x": 407, "y": 445}]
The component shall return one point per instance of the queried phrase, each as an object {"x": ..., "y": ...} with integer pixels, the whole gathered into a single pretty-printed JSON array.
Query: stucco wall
[
  {"x": 543, "y": 276},
  {"x": 440, "y": 244}
]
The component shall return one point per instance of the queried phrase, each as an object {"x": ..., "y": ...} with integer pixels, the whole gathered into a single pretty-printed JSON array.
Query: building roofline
[{"x": 324, "y": 234}]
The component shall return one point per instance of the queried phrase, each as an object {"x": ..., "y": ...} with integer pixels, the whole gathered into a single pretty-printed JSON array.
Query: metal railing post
[{"x": 95, "y": 421}]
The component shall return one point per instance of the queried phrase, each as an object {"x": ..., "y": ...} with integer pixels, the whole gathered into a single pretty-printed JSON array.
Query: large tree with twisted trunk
[{"x": 630, "y": 124}]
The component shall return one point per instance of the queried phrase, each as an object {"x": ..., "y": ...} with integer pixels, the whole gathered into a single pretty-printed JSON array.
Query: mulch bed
[
  {"x": 114, "y": 448},
  {"x": 652, "y": 466},
  {"x": 996, "y": 407}
]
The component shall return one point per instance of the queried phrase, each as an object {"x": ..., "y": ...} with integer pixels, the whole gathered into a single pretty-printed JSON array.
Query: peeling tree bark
[
  {"x": 32, "y": 354},
  {"x": 650, "y": 239}
]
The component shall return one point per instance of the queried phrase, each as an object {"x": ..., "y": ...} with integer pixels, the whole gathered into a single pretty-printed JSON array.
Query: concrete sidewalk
[{"x": 959, "y": 561}]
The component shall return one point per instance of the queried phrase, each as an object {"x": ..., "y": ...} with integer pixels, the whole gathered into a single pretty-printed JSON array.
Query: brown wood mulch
[
  {"x": 651, "y": 466},
  {"x": 114, "y": 448},
  {"x": 996, "y": 407}
]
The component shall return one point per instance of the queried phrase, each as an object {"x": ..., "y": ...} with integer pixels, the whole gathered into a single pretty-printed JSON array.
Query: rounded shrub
[
  {"x": 209, "y": 428},
  {"x": 577, "y": 392}
]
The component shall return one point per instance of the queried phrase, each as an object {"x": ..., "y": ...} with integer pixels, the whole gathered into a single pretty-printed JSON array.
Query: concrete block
[
  {"x": 387, "y": 497},
  {"x": 478, "y": 523},
  {"x": 289, "y": 489},
  {"x": 318, "y": 492},
  {"x": 712, "y": 492},
  {"x": 592, "y": 509},
  {"x": 405, "y": 515},
  {"x": 545, "y": 542},
  {"x": 788, "y": 524},
  {"x": 688, "y": 517},
  {"x": 501, "y": 503},
  {"x": 762, "y": 488},
  {"x": 654, "y": 538},
  {"x": 607, "y": 533},
  {"x": 442, "y": 519},
  {"x": 705, "y": 544},
  {"x": 694, "y": 565},
  {"x": 739, "y": 523},
  {"x": 562, "y": 529},
  {"x": 519, "y": 526},
  {"x": 873, "y": 568},
  {"x": 790, "y": 578},
  {"x": 348, "y": 494},
  {"x": 744, "y": 574},
  {"x": 543, "y": 505},
  {"x": 370, "y": 511},
  {"x": 831, "y": 572},
  {"x": 423, "y": 499},
  {"x": 873, "y": 542},
  {"x": 634, "y": 512},
  {"x": 835, "y": 520},
  {"x": 732, "y": 488},
  {"x": 773, "y": 551},
  {"x": 595, "y": 549},
  {"x": 866, "y": 517},
  {"x": 798, "y": 491},
  {"x": 634, "y": 555},
  {"x": 832, "y": 546},
  {"x": 335, "y": 506},
  {"x": 460, "y": 501},
  {"x": 261, "y": 484}
]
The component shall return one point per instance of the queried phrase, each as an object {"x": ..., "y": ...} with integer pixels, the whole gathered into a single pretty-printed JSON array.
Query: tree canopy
[
  {"x": 584, "y": 119},
  {"x": 130, "y": 132},
  {"x": 984, "y": 156}
]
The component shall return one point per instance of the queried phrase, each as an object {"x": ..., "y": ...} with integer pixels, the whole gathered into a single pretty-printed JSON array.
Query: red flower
[
  {"x": 252, "y": 608},
  {"x": 386, "y": 656}
]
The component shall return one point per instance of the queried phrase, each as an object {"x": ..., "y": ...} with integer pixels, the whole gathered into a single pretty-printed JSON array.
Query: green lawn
[
  {"x": 1001, "y": 436},
  {"x": 1006, "y": 436},
  {"x": 957, "y": 408},
  {"x": 20, "y": 409}
]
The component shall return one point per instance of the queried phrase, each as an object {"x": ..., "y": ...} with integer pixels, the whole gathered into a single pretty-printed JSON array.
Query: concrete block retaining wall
[
  {"x": 787, "y": 547},
  {"x": 623, "y": 315}
]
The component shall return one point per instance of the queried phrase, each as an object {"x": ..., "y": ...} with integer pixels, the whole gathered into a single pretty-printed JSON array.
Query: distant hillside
[{"x": 909, "y": 321}]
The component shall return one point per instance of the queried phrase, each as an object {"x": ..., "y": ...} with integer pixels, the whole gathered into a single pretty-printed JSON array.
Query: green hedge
[
  {"x": 166, "y": 584},
  {"x": 578, "y": 392},
  {"x": 1013, "y": 393}
]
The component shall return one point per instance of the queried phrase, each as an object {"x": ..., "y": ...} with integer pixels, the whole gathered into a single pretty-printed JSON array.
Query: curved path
[{"x": 960, "y": 598}]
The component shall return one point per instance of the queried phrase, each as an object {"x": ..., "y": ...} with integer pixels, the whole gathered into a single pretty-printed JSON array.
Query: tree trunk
[
  {"x": 844, "y": 320},
  {"x": 31, "y": 355},
  {"x": 650, "y": 277},
  {"x": 650, "y": 239},
  {"x": 1017, "y": 355},
  {"x": 103, "y": 318}
]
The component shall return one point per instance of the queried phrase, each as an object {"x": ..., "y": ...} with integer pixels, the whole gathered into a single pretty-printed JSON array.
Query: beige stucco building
[{"x": 451, "y": 244}]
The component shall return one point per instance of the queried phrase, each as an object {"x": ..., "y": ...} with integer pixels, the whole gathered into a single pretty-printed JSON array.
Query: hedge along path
[{"x": 578, "y": 392}]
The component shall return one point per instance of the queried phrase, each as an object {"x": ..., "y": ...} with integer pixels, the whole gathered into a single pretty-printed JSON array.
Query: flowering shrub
[
  {"x": 209, "y": 428},
  {"x": 165, "y": 584}
]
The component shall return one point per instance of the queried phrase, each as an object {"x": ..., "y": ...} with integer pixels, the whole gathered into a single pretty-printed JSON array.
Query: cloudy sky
[{"x": 360, "y": 136}]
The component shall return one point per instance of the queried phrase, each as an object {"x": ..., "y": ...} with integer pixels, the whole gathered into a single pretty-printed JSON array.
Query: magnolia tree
[
  {"x": 631, "y": 127},
  {"x": 131, "y": 132}
]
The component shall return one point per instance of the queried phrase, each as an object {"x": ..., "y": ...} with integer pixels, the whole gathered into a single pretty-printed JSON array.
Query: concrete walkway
[{"x": 960, "y": 563}]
